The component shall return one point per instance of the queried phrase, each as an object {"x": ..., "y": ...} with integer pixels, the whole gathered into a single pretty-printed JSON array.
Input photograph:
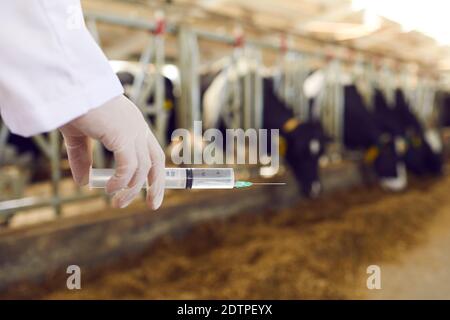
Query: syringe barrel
[{"x": 177, "y": 178}]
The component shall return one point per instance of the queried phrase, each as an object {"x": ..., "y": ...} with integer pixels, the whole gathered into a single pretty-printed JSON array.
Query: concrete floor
[{"x": 424, "y": 271}]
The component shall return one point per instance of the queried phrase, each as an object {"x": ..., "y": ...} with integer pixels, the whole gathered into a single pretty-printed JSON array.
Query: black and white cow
[
  {"x": 443, "y": 99},
  {"x": 369, "y": 131},
  {"x": 421, "y": 157},
  {"x": 362, "y": 130},
  {"x": 398, "y": 119},
  {"x": 305, "y": 140}
]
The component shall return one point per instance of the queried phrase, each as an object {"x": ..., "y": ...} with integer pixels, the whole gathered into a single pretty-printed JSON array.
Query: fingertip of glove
[
  {"x": 156, "y": 202},
  {"x": 81, "y": 181}
]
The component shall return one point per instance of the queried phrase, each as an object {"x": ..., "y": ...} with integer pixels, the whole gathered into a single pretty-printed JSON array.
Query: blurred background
[{"x": 360, "y": 91}]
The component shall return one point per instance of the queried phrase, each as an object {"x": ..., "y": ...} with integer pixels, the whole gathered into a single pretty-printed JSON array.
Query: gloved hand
[{"x": 121, "y": 128}]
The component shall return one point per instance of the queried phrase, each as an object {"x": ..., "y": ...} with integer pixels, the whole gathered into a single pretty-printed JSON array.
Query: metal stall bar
[
  {"x": 8, "y": 207},
  {"x": 144, "y": 85},
  {"x": 189, "y": 77},
  {"x": 138, "y": 83},
  {"x": 51, "y": 148},
  {"x": 55, "y": 141},
  {"x": 4, "y": 133},
  {"x": 140, "y": 23},
  {"x": 259, "y": 100},
  {"x": 248, "y": 98},
  {"x": 161, "y": 114}
]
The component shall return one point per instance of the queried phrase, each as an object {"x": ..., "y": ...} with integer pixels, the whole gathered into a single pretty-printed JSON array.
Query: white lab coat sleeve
[{"x": 51, "y": 69}]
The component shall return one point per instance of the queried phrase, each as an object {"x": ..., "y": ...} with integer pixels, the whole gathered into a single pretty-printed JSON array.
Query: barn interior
[{"x": 358, "y": 92}]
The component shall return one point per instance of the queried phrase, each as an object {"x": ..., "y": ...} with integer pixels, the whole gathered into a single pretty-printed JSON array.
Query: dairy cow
[
  {"x": 374, "y": 133},
  {"x": 305, "y": 140},
  {"x": 398, "y": 120}
]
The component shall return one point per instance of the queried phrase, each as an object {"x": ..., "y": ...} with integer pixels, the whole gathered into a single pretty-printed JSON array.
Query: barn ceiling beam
[
  {"x": 383, "y": 35},
  {"x": 331, "y": 14}
]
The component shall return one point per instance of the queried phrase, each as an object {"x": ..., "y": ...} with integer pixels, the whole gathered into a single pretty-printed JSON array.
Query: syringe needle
[
  {"x": 269, "y": 183},
  {"x": 246, "y": 184}
]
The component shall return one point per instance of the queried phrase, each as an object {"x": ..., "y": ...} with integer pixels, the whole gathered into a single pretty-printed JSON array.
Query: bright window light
[
  {"x": 171, "y": 71},
  {"x": 430, "y": 17}
]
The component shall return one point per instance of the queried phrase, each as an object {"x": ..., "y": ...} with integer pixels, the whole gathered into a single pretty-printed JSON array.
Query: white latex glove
[{"x": 121, "y": 128}]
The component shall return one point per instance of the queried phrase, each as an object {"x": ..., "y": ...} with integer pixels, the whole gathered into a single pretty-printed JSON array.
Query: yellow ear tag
[
  {"x": 290, "y": 125},
  {"x": 371, "y": 154},
  {"x": 168, "y": 104},
  {"x": 282, "y": 146}
]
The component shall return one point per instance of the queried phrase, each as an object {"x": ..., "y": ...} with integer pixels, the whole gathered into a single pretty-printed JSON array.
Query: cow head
[
  {"x": 387, "y": 163},
  {"x": 305, "y": 145}
]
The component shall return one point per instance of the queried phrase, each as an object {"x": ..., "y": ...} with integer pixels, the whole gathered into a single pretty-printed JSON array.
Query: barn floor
[{"x": 317, "y": 249}]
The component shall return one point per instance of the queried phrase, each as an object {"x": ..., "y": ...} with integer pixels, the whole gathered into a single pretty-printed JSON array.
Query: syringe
[
  {"x": 183, "y": 178},
  {"x": 178, "y": 178}
]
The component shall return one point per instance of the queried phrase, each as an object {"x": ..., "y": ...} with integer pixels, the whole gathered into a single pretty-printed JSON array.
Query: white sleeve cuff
[{"x": 51, "y": 116}]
